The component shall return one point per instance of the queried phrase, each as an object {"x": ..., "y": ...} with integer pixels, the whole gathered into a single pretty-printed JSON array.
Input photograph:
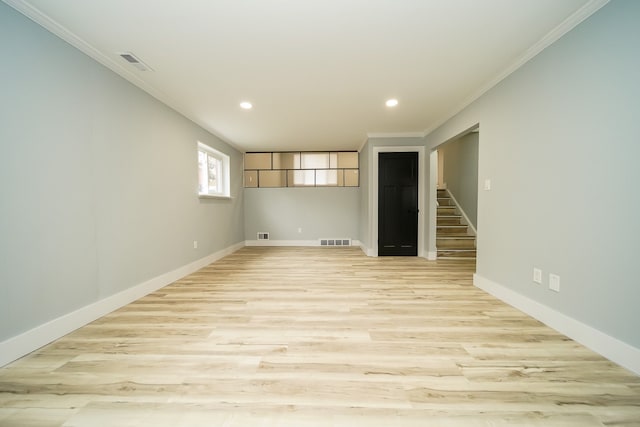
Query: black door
[{"x": 398, "y": 204}]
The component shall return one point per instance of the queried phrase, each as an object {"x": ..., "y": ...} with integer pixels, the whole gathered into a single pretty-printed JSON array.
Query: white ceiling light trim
[
  {"x": 245, "y": 105},
  {"x": 391, "y": 102}
]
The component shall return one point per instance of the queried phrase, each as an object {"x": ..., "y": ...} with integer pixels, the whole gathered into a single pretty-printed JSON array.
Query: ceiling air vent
[{"x": 135, "y": 61}]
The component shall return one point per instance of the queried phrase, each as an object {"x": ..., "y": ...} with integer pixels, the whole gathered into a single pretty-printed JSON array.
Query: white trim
[
  {"x": 612, "y": 348},
  {"x": 65, "y": 34},
  {"x": 115, "y": 63},
  {"x": 209, "y": 196},
  {"x": 390, "y": 135},
  {"x": 462, "y": 212},
  {"x": 551, "y": 37},
  {"x": 374, "y": 192},
  {"x": 396, "y": 135},
  {"x": 306, "y": 243},
  {"x": 364, "y": 143},
  {"x": 23, "y": 344},
  {"x": 367, "y": 251},
  {"x": 224, "y": 172},
  {"x": 433, "y": 205}
]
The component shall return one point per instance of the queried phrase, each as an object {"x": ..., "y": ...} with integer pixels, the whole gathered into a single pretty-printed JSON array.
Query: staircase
[{"x": 452, "y": 235}]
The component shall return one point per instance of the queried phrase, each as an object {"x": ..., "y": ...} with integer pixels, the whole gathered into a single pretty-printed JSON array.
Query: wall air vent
[
  {"x": 335, "y": 242},
  {"x": 135, "y": 61},
  {"x": 262, "y": 235}
]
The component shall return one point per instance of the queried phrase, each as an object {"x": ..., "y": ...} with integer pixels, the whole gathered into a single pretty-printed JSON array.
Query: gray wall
[
  {"x": 320, "y": 212},
  {"x": 98, "y": 182},
  {"x": 559, "y": 140},
  {"x": 461, "y": 173}
]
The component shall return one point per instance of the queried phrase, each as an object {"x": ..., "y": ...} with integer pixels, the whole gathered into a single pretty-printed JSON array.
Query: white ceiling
[{"x": 317, "y": 72}]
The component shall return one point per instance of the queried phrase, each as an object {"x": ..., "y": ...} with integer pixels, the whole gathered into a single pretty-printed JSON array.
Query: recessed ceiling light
[
  {"x": 392, "y": 102},
  {"x": 246, "y": 105}
]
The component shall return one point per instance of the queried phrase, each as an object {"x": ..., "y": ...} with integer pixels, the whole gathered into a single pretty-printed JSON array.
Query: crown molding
[
  {"x": 551, "y": 37},
  {"x": 396, "y": 135},
  {"x": 65, "y": 34},
  {"x": 363, "y": 145},
  {"x": 40, "y": 18},
  {"x": 60, "y": 31}
]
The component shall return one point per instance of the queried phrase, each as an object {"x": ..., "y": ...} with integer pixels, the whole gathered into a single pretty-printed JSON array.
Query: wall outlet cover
[
  {"x": 537, "y": 275},
  {"x": 554, "y": 282}
]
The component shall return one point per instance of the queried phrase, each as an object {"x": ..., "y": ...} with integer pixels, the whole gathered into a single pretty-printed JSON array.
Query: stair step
[
  {"x": 445, "y": 201},
  {"x": 448, "y": 220},
  {"x": 446, "y": 210},
  {"x": 452, "y": 243},
  {"x": 452, "y": 238},
  {"x": 451, "y": 229},
  {"x": 457, "y": 253}
]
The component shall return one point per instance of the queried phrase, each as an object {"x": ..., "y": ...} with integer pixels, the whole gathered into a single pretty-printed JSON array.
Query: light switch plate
[
  {"x": 554, "y": 282},
  {"x": 537, "y": 275}
]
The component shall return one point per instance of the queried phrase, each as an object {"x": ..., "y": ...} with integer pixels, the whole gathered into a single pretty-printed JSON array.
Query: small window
[
  {"x": 301, "y": 169},
  {"x": 302, "y": 178},
  {"x": 213, "y": 172},
  {"x": 315, "y": 160}
]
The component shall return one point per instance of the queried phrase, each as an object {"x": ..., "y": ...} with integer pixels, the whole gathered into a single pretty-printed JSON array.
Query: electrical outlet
[
  {"x": 195, "y": 244},
  {"x": 537, "y": 275},
  {"x": 554, "y": 282},
  {"x": 487, "y": 184},
  {"x": 299, "y": 229}
]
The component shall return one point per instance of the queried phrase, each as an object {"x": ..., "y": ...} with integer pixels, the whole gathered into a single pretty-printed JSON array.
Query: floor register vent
[
  {"x": 263, "y": 235},
  {"x": 335, "y": 242}
]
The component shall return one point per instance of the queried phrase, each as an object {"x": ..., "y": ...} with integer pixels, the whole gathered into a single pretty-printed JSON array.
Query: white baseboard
[
  {"x": 293, "y": 243},
  {"x": 612, "y": 348},
  {"x": 282, "y": 243},
  {"x": 23, "y": 344},
  {"x": 432, "y": 256},
  {"x": 368, "y": 251}
]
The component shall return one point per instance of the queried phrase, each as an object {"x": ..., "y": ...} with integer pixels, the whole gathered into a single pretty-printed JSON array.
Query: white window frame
[{"x": 222, "y": 190}]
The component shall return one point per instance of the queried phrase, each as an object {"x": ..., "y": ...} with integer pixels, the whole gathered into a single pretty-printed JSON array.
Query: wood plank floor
[{"x": 318, "y": 337}]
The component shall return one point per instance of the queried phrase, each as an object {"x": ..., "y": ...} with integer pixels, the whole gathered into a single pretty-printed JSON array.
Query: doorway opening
[{"x": 453, "y": 198}]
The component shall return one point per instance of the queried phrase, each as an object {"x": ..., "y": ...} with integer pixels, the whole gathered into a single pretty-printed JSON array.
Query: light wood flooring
[{"x": 318, "y": 337}]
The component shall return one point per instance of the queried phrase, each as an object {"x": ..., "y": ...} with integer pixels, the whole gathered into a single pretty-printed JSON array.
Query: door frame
[{"x": 373, "y": 212}]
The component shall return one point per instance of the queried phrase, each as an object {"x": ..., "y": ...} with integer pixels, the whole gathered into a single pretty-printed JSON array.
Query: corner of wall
[{"x": 607, "y": 346}]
